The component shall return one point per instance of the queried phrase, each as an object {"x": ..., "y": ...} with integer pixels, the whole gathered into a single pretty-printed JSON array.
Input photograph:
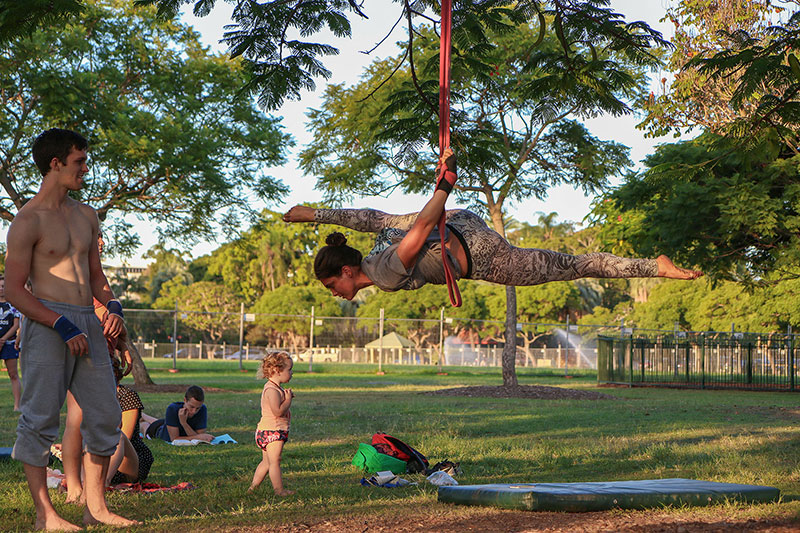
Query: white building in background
[{"x": 122, "y": 279}]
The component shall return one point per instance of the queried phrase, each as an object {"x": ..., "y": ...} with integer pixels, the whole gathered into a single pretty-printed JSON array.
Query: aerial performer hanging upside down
[{"x": 407, "y": 252}]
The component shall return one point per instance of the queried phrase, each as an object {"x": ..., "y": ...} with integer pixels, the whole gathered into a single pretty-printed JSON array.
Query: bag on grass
[
  {"x": 369, "y": 459},
  {"x": 415, "y": 461}
]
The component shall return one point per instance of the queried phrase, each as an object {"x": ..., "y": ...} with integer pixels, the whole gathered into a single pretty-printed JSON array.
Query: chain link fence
[
  {"x": 620, "y": 354},
  {"x": 450, "y": 341}
]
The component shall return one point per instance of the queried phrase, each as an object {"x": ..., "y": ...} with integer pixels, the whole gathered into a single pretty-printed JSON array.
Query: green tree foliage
[
  {"x": 511, "y": 130},
  {"x": 274, "y": 36},
  {"x": 708, "y": 202},
  {"x": 694, "y": 97},
  {"x": 270, "y": 254},
  {"x": 210, "y": 309},
  {"x": 426, "y": 304},
  {"x": 170, "y": 140},
  {"x": 704, "y": 306},
  {"x": 282, "y": 314},
  {"x": 168, "y": 264},
  {"x": 769, "y": 82},
  {"x": 517, "y": 89},
  {"x": 21, "y": 19},
  {"x": 728, "y": 200}
]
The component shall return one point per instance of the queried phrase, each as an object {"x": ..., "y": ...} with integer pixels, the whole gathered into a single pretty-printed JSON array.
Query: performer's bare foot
[
  {"x": 107, "y": 517},
  {"x": 284, "y": 492},
  {"x": 667, "y": 269},
  {"x": 53, "y": 522}
]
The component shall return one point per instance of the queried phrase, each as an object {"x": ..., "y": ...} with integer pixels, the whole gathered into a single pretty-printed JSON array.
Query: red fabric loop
[{"x": 444, "y": 136}]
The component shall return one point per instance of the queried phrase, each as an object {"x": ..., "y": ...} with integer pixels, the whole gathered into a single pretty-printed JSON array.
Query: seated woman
[{"x": 407, "y": 252}]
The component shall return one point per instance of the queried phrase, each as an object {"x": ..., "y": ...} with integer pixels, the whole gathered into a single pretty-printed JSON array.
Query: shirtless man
[{"x": 53, "y": 241}]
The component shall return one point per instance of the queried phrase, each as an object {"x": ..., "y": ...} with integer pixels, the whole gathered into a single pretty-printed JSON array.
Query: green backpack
[{"x": 371, "y": 460}]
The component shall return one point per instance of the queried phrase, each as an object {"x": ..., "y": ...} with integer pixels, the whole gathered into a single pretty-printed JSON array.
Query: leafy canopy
[
  {"x": 170, "y": 141},
  {"x": 707, "y": 202}
]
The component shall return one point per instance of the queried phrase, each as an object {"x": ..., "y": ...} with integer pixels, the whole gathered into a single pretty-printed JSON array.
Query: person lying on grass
[{"x": 183, "y": 420}]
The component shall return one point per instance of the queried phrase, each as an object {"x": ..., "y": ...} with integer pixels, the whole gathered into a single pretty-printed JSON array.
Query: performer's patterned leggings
[{"x": 493, "y": 258}]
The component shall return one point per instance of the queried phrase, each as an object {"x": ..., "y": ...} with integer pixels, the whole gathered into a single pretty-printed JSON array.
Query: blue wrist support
[
  {"x": 115, "y": 307},
  {"x": 66, "y": 329}
]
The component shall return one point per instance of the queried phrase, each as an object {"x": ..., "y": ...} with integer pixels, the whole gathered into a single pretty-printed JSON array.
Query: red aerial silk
[{"x": 444, "y": 133}]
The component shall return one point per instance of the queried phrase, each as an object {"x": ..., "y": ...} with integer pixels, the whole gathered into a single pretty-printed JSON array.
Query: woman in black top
[{"x": 132, "y": 408}]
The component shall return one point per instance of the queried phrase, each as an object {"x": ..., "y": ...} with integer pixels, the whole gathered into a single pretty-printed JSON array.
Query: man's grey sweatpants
[{"x": 49, "y": 370}]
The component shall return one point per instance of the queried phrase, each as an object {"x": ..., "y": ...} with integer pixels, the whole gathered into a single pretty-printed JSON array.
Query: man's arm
[
  {"x": 114, "y": 323},
  {"x": 21, "y": 239},
  {"x": 181, "y": 418},
  {"x": 175, "y": 434}
]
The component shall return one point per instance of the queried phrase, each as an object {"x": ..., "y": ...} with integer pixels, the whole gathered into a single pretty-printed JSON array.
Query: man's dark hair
[
  {"x": 56, "y": 142},
  {"x": 195, "y": 392}
]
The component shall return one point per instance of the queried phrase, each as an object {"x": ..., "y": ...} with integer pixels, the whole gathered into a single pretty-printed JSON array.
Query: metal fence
[
  {"x": 700, "y": 360},
  {"x": 181, "y": 334}
]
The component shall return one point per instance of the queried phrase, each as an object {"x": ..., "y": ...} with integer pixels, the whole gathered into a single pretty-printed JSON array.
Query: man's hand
[
  {"x": 183, "y": 414},
  {"x": 78, "y": 345},
  {"x": 208, "y": 437},
  {"x": 113, "y": 326},
  {"x": 74, "y": 338},
  {"x": 299, "y": 213}
]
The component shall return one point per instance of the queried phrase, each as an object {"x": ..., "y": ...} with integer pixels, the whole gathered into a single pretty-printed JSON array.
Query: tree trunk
[
  {"x": 140, "y": 374},
  {"x": 510, "y": 348}
]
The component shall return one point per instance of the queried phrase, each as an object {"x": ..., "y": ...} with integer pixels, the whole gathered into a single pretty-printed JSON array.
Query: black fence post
[
  {"x": 688, "y": 350},
  {"x": 790, "y": 356},
  {"x": 642, "y": 350},
  {"x": 703, "y": 362},
  {"x": 749, "y": 363}
]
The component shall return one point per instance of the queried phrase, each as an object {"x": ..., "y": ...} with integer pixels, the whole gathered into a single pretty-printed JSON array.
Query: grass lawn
[{"x": 645, "y": 433}]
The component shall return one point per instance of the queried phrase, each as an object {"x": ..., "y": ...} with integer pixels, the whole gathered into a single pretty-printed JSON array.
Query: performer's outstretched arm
[{"x": 366, "y": 220}]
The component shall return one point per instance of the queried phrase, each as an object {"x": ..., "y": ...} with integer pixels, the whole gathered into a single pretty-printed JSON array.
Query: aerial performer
[{"x": 408, "y": 250}]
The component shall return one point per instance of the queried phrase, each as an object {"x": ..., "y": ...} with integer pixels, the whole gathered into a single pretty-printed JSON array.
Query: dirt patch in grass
[
  {"x": 497, "y": 520},
  {"x": 172, "y": 388},
  {"x": 536, "y": 392}
]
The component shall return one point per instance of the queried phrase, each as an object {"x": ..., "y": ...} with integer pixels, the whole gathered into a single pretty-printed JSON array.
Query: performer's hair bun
[
  {"x": 331, "y": 258},
  {"x": 336, "y": 239}
]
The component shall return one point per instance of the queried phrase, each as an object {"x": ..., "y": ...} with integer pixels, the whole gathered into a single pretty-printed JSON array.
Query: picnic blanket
[{"x": 149, "y": 488}]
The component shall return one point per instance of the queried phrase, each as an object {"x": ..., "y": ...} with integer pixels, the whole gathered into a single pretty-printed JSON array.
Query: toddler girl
[{"x": 273, "y": 428}]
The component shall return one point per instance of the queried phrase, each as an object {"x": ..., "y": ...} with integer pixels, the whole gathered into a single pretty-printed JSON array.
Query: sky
[{"x": 570, "y": 204}]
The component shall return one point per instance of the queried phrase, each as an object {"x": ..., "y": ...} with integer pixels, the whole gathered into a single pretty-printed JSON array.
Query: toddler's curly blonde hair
[{"x": 273, "y": 363}]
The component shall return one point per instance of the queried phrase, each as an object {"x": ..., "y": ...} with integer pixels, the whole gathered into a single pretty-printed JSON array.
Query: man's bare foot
[
  {"x": 54, "y": 523},
  {"x": 107, "y": 517},
  {"x": 284, "y": 492},
  {"x": 667, "y": 269}
]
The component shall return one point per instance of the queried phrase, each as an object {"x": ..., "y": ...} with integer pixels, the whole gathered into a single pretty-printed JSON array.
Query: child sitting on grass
[{"x": 273, "y": 428}]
